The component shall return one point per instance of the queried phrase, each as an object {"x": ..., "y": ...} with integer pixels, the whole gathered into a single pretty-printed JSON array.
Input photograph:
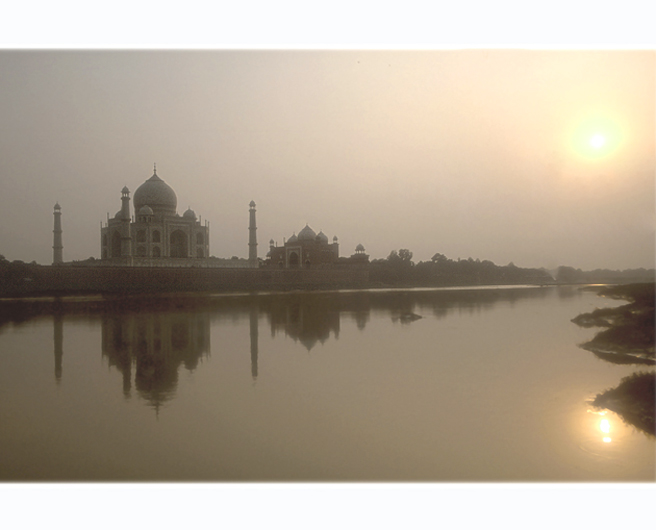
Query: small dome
[
  {"x": 252, "y": 204},
  {"x": 57, "y": 207},
  {"x": 125, "y": 190},
  {"x": 145, "y": 210},
  {"x": 335, "y": 239},
  {"x": 271, "y": 242},
  {"x": 306, "y": 233},
  {"x": 323, "y": 238},
  {"x": 292, "y": 239},
  {"x": 359, "y": 248},
  {"x": 189, "y": 214}
]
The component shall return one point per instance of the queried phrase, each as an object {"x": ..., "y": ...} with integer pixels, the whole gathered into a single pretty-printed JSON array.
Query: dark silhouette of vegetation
[
  {"x": 633, "y": 399},
  {"x": 15, "y": 273},
  {"x": 398, "y": 269},
  {"x": 572, "y": 275},
  {"x": 629, "y": 337}
]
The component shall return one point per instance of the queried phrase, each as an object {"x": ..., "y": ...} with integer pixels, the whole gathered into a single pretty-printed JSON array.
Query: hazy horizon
[{"x": 542, "y": 158}]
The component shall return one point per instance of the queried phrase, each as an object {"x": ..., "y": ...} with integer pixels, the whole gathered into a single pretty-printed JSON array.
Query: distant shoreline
[{"x": 23, "y": 280}]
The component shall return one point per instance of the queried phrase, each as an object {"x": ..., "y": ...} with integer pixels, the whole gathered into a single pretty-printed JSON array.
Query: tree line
[
  {"x": 399, "y": 269},
  {"x": 572, "y": 275}
]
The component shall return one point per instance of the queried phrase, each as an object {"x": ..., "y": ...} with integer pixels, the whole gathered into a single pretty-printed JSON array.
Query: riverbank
[
  {"x": 628, "y": 339},
  {"x": 633, "y": 399},
  {"x": 38, "y": 280}
]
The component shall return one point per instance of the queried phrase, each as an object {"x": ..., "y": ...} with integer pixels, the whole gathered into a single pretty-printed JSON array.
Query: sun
[
  {"x": 595, "y": 138},
  {"x": 598, "y": 141}
]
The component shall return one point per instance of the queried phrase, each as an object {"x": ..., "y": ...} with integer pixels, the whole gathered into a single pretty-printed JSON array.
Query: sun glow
[{"x": 595, "y": 138}]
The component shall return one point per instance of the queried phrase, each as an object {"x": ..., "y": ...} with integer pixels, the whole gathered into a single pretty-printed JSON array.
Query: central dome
[
  {"x": 158, "y": 195},
  {"x": 307, "y": 233}
]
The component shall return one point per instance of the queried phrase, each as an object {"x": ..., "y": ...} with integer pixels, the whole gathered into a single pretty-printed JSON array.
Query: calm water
[{"x": 489, "y": 385}]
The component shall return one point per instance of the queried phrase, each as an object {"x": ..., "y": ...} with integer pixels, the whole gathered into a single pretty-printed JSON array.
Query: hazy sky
[{"x": 539, "y": 158}]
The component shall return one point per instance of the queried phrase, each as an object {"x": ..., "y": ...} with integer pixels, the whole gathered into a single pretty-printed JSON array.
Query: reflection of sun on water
[{"x": 604, "y": 426}]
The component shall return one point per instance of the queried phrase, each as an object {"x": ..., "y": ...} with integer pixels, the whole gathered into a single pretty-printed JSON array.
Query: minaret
[
  {"x": 57, "y": 246},
  {"x": 252, "y": 238},
  {"x": 126, "y": 239},
  {"x": 125, "y": 203}
]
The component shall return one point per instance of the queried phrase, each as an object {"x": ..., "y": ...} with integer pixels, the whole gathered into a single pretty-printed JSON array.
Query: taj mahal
[
  {"x": 153, "y": 234},
  {"x": 156, "y": 231}
]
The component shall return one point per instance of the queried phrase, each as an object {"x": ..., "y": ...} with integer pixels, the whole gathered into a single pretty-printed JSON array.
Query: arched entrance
[
  {"x": 116, "y": 245},
  {"x": 293, "y": 259},
  {"x": 179, "y": 248}
]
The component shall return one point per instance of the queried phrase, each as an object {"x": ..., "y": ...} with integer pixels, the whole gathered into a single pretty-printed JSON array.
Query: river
[{"x": 439, "y": 385}]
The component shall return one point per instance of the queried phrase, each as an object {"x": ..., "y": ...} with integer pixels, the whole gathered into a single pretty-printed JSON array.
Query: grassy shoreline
[
  {"x": 627, "y": 339},
  {"x": 629, "y": 334}
]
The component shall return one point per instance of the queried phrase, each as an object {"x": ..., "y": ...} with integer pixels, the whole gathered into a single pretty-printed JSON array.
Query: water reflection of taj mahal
[
  {"x": 155, "y": 346},
  {"x": 152, "y": 339},
  {"x": 149, "y": 348}
]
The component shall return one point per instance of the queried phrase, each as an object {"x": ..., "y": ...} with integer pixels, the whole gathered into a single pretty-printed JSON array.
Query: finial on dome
[{"x": 154, "y": 168}]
